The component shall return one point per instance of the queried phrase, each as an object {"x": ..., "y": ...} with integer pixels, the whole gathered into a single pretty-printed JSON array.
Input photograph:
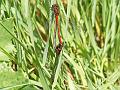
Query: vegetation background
[{"x": 90, "y": 58}]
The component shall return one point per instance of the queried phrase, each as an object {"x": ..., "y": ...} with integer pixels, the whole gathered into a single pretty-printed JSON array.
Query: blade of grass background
[
  {"x": 21, "y": 61},
  {"x": 7, "y": 53},
  {"x": 41, "y": 73},
  {"x": 57, "y": 68},
  {"x": 114, "y": 76},
  {"x": 104, "y": 12},
  {"x": 115, "y": 9},
  {"x": 117, "y": 48},
  {"x": 18, "y": 46},
  {"x": 61, "y": 7},
  {"x": 70, "y": 83},
  {"x": 89, "y": 82},
  {"x": 14, "y": 37},
  {"x": 35, "y": 83},
  {"x": 45, "y": 53},
  {"x": 43, "y": 80},
  {"x": 26, "y": 12},
  {"x": 82, "y": 34},
  {"x": 44, "y": 84},
  {"x": 14, "y": 86},
  {"x": 30, "y": 30},
  {"x": 6, "y": 6},
  {"x": 84, "y": 51},
  {"x": 38, "y": 26},
  {"x": 39, "y": 66},
  {"x": 97, "y": 73},
  {"x": 25, "y": 8},
  {"x": 111, "y": 79},
  {"x": 107, "y": 32},
  {"x": 67, "y": 19},
  {"x": 43, "y": 11},
  {"x": 0, "y": 2},
  {"x": 6, "y": 38},
  {"x": 10, "y": 78},
  {"x": 75, "y": 13},
  {"x": 78, "y": 68},
  {"x": 24, "y": 61},
  {"x": 49, "y": 37},
  {"x": 93, "y": 12},
  {"x": 89, "y": 29}
]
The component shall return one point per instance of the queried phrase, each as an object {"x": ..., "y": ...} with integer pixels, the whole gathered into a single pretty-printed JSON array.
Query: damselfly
[{"x": 58, "y": 48}]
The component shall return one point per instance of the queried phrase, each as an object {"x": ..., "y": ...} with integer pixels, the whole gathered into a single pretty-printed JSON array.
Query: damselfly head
[{"x": 55, "y": 8}]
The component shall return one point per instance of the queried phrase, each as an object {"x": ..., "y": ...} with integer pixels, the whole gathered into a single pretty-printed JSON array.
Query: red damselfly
[{"x": 56, "y": 11}]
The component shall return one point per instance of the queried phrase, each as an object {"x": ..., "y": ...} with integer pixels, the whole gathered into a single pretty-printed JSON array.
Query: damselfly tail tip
[{"x": 58, "y": 48}]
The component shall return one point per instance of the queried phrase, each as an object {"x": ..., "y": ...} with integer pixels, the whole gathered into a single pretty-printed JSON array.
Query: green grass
[{"x": 89, "y": 59}]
